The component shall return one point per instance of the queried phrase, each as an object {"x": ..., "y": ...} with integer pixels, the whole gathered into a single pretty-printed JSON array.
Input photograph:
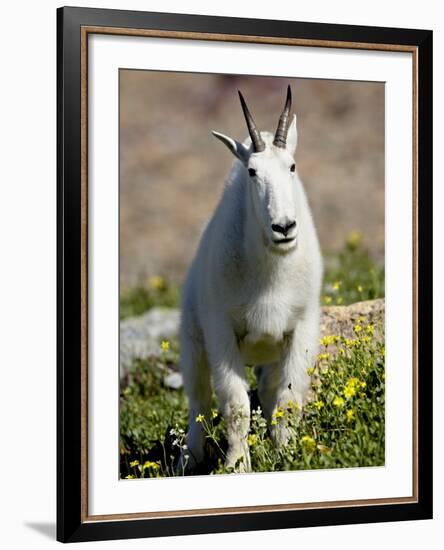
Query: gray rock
[
  {"x": 140, "y": 337},
  {"x": 340, "y": 320},
  {"x": 173, "y": 380}
]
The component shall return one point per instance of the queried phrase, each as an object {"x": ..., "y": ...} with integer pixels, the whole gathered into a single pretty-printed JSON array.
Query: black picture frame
[{"x": 72, "y": 525}]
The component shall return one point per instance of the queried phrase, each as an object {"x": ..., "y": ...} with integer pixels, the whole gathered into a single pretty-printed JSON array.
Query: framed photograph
[{"x": 244, "y": 274}]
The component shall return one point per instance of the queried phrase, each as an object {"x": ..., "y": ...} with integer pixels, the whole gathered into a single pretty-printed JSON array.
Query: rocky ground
[{"x": 140, "y": 337}]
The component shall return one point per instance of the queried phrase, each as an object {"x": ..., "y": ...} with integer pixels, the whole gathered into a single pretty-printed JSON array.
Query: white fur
[{"x": 247, "y": 300}]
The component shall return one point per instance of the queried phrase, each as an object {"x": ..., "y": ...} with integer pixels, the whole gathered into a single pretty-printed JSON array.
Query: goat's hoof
[{"x": 240, "y": 463}]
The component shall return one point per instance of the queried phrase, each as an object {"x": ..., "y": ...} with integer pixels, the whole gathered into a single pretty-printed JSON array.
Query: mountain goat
[{"x": 251, "y": 296}]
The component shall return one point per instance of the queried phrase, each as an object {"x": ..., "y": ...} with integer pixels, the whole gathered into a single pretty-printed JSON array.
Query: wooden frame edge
[
  {"x": 84, "y": 270},
  {"x": 252, "y": 39},
  {"x": 250, "y": 509}
]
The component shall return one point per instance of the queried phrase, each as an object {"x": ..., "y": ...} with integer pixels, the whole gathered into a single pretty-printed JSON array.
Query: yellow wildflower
[
  {"x": 165, "y": 345},
  {"x": 338, "y": 401},
  {"x": 370, "y": 329},
  {"x": 214, "y": 413},
  {"x": 129, "y": 476},
  {"x": 350, "y": 415},
  {"x": 354, "y": 239},
  {"x": 151, "y": 464},
  {"x": 349, "y": 391},
  {"x": 134, "y": 463},
  {"x": 319, "y": 404},
  {"x": 310, "y": 371},
  {"x": 349, "y": 342},
  {"x": 327, "y": 299},
  {"x": 357, "y": 328},
  {"x": 308, "y": 443},
  {"x": 252, "y": 439},
  {"x": 156, "y": 282},
  {"x": 342, "y": 351},
  {"x": 273, "y": 422},
  {"x": 359, "y": 288},
  {"x": 293, "y": 406},
  {"x": 336, "y": 285},
  {"x": 279, "y": 413},
  {"x": 200, "y": 418},
  {"x": 323, "y": 356},
  {"x": 329, "y": 339}
]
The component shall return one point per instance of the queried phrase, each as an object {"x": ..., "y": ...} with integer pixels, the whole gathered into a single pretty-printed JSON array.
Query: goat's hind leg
[
  {"x": 300, "y": 353},
  {"x": 268, "y": 379}
]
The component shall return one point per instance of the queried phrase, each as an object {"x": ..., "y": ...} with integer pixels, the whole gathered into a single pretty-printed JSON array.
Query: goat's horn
[
  {"x": 280, "y": 138},
  {"x": 258, "y": 142}
]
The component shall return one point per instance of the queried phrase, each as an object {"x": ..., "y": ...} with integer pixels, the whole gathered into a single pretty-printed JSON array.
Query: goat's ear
[
  {"x": 292, "y": 136},
  {"x": 238, "y": 149}
]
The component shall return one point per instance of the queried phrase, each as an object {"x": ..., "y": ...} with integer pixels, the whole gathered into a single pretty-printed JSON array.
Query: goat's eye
[
  {"x": 252, "y": 172},
  {"x": 293, "y": 167}
]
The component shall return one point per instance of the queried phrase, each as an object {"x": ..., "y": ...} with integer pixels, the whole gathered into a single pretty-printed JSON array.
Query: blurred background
[{"x": 172, "y": 170}]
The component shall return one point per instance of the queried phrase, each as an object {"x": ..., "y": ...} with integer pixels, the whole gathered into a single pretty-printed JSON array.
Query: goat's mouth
[
  {"x": 284, "y": 240},
  {"x": 284, "y": 245}
]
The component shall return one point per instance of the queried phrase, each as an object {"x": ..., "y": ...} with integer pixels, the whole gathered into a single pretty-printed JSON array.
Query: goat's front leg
[
  {"x": 291, "y": 379},
  {"x": 231, "y": 388}
]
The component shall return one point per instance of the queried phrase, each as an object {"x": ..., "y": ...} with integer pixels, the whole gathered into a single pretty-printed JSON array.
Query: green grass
[
  {"x": 158, "y": 292},
  {"x": 352, "y": 276},
  {"x": 342, "y": 426}
]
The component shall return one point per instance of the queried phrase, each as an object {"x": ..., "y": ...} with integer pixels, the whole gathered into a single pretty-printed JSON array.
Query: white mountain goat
[{"x": 251, "y": 296}]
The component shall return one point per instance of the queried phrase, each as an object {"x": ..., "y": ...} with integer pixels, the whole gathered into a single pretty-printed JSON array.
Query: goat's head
[{"x": 269, "y": 161}]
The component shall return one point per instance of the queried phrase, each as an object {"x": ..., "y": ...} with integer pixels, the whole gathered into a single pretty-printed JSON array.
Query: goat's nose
[{"x": 284, "y": 228}]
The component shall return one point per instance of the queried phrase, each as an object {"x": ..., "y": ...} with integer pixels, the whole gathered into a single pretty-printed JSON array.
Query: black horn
[
  {"x": 280, "y": 138},
  {"x": 258, "y": 142}
]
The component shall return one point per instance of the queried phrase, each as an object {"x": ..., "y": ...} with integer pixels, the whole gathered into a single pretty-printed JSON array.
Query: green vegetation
[
  {"x": 157, "y": 293},
  {"x": 352, "y": 276},
  {"x": 341, "y": 426}
]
